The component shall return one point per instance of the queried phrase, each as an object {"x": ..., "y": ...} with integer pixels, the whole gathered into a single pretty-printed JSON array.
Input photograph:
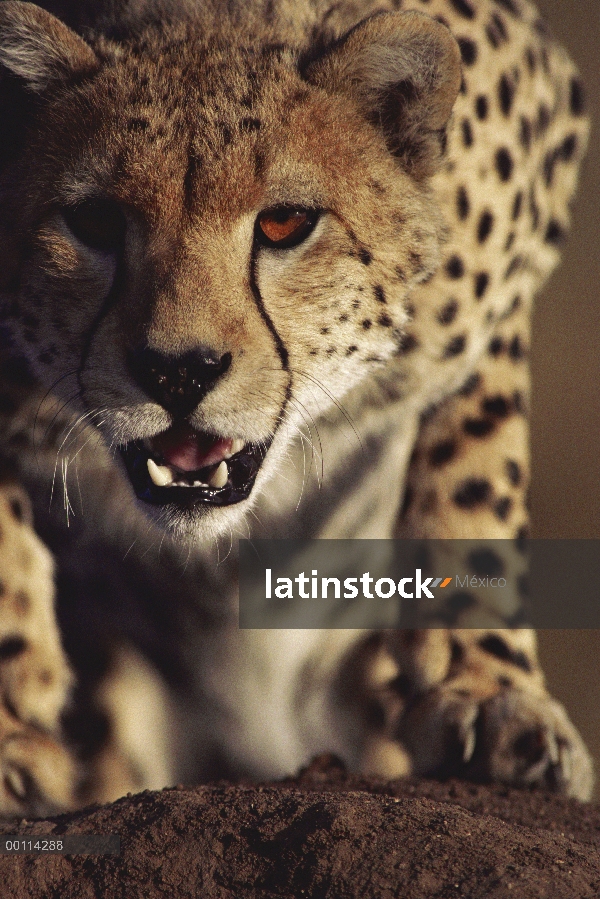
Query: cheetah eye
[
  {"x": 97, "y": 223},
  {"x": 285, "y": 226}
]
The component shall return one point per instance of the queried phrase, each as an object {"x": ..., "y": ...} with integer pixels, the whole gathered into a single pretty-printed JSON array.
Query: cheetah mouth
[{"x": 185, "y": 467}]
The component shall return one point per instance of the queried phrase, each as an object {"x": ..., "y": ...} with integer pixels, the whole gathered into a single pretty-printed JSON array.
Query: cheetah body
[{"x": 381, "y": 362}]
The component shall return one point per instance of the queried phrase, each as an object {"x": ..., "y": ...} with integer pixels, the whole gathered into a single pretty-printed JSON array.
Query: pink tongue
[{"x": 190, "y": 450}]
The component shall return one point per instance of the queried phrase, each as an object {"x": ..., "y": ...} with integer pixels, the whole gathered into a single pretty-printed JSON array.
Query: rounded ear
[
  {"x": 404, "y": 71},
  {"x": 38, "y": 50}
]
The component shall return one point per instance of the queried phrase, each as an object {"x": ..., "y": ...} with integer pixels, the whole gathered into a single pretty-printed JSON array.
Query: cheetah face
[{"x": 211, "y": 244}]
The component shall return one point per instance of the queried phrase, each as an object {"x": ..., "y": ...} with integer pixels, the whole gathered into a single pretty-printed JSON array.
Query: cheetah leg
[
  {"x": 37, "y": 773},
  {"x": 472, "y": 702}
]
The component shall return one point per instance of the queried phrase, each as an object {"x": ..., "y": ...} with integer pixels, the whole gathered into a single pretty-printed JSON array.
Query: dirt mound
[{"x": 324, "y": 834}]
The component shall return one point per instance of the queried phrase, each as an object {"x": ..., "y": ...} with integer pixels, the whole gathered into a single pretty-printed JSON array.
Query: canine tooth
[
  {"x": 236, "y": 446},
  {"x": 219, "y": 476},
  {"x": 159, "y": 474}
]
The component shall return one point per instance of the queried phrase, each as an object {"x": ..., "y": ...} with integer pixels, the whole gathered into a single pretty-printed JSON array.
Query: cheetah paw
[{"x": 514, "y": 737}]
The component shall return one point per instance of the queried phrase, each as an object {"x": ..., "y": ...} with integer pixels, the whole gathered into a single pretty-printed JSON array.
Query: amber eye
[
  {"x": 99, "y": 224},
  {"x": 285, "y": 226}
]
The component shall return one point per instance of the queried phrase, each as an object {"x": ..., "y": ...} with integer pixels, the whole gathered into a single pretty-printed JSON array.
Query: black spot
[
  {"x": 16, "y": 507},
  {"x": 472, "y": 492},
  {"x": 516, "y": 350},
  {"x": 516, "y": 304},
  {"x": 525, "y": 133},
  {"x": 379, "y": 294},
  {"x": 513, "y": 470},
  {"x": 442, "y": 452},
  {"x": 577, "y": 97},
  {"x": 567, "y": 149},
  {"x": 463, "y": 205},
  {"x": 408, "y": 343},
  {"x": 504, "y": 164},
  {"x": 534, "y": 209},
  {"x": 467, "y": 133},
  {"x": 11, "y": 647},
  {"x": 497, "y": 647},
  {"x": 486, "y": 563},
  {"x": 351, "y": 349},
  {"x": 510, "y": 239},
  {"x": 502, "y": 508},
  {"x": 484, "y": 228},
  {"x": 517, "y": 205},
  {"x": 506, "y": 94},
  {"x": 409, "y": 496},
  {"x": 531, "y": 60},
  {"x": 470, "y": 385},
  {"x": 496, "y": 31},
  {"x": 550, "y": 160},
  {"x": 457, "y": 652},
  {"x": 384, "y": 320},
  {"x": 416, "y": 261},
  {"x": 513, "y": 267},
  {"x": 481, "y": 106},
  {"x": 521, "y": 538},
  {"x": 511, "y": 7},
  {"x": 138, "y": 124},
  {"x": 2, "y": 588},
  {"x": 324, "y": 330},
  {"x": 496, "y": 405},
  {"x": 447, "y": 313},
  {"x": 331, "y": 350},
  {"x": 455, "y": 267},
  {"x": 468, "y": 50},
  {"x": 250, "y": 124},
  {"x": 478, "y": 427},
  {"x": 365, "y": 256},
  {"x": 400, "y": 273},
  {"x": 543, "y": 119},
  {"x": 367, "y": 323},
  {"x": 504, "y": 681},
  {"x": 455, "y": 346},
  {"x": 343, "y": 317},
  {"x": 464, "y": 8},
  {"x": 555, "y": 233},
  {"x": 519, "y": 403},
  {"x": 482, "y": 281}
]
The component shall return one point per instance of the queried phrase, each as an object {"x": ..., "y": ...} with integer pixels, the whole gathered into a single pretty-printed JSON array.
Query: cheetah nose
[{"x": 178, "y": 383}]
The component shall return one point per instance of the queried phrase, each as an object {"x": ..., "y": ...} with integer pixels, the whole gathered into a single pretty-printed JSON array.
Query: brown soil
[{"x": 324, "y": 834}]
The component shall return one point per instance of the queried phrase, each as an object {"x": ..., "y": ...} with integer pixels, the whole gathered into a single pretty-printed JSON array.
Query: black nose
[{"x": 177, "y": 382}]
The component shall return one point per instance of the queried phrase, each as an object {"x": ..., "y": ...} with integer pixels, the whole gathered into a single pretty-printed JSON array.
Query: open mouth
[{"x": 186, "y": 467}]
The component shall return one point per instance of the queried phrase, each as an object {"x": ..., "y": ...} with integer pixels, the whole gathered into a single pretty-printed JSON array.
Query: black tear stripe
[
  {"x": 107, "y": 305},
  {"x": 281, "y": 348}
]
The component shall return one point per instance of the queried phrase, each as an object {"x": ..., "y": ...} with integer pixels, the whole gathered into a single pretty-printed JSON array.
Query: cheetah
[{"x": 267, "y": 270}]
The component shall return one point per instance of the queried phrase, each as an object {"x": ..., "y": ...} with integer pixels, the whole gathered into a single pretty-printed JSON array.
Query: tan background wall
[{"x": 566, "y": 383}]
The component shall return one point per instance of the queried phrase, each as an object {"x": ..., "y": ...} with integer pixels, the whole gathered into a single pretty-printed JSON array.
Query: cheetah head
[{"x": 209, "y": 238}]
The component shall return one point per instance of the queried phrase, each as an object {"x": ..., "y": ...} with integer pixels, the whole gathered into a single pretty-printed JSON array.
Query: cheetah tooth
[
  {"x": 161, "y": 475},
  {"x": 219, "y": 476},
  {"x": 236, "y": 446}
]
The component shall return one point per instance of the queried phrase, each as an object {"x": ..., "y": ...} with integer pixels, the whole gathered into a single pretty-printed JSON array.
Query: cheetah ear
[
  {"x": 404, "y": 71},
  {"x": 37, "y": 49}
]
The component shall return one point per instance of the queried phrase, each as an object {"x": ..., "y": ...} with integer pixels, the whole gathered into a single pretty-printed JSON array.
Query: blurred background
[{"x": 566, "y": 388}]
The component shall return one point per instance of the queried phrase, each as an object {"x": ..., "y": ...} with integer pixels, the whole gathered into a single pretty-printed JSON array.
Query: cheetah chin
[{"x": 183, "y": 467}]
